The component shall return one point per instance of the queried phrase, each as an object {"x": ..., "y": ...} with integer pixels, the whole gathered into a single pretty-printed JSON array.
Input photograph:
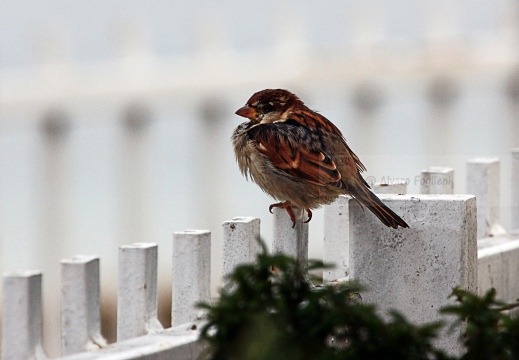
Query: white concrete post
[
  {"x": 437, "y": 180},
  {"x": 137, "y": 291},
  {"x": 80, "y": 305},
  {"x": 498, "y": 267},
  {"x": 191, "y": 274},
  {"x": 483, "y": 182},
  {"x": 288, "y": 240},
  {"x": 395, "y": 187},
  {"x": 22, "y": 316},
  {"x": 514, "y": 221},
  {"x": 414, "y": 270},
  {"x": 336, "y": 248},
  {"x": 240, "y": 243}
]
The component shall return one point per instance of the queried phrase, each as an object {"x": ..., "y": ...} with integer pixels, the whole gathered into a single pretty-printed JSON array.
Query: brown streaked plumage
[{"x": 299, "y": 157}]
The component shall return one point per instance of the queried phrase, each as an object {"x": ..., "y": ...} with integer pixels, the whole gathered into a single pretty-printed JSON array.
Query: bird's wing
[
  {"x": 290, "y": 149},
  {"x": 317, "y": 122}
]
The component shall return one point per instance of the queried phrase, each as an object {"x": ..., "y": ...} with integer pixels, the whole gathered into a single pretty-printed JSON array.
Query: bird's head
[{"x": 268, "y": 106}]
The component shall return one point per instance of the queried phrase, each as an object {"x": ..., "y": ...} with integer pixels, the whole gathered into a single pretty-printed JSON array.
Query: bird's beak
[{"x": 247, "y": 112}]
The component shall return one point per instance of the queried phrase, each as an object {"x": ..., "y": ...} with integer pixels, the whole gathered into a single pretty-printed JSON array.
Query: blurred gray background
[{"x": 116, "y": 116}]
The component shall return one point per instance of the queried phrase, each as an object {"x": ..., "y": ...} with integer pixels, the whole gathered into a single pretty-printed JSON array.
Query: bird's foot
[{"x": 288, "y": 207}]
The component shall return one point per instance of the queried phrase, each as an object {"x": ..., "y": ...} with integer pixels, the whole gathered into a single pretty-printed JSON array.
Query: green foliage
[
  {"x": 278, "y": 314},
  {"x": 490, "y": 333}
]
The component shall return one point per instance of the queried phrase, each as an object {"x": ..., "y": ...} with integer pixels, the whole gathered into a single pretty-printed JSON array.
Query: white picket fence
[
  {"x": 412, "y": 270},
  {"x": 137, "y": 296}
]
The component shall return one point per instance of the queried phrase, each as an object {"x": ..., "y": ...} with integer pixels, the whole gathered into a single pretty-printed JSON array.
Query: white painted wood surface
[
  {"x": 437, "y": 180},
  {"x": 483, "y": 182},
  {"x": 22, "y": 316},
  {"x": 137, "y": 291},
  {"x": 191, "y": 274},
  {"x": 288, "y": 240},
  {"x": 80, "y": 305},
  {"x": 414, "y": 270},
  {"x": 240, "y": 243},
  {"x": 337, "y": 239},
  {"x": 180, "y": 343}
]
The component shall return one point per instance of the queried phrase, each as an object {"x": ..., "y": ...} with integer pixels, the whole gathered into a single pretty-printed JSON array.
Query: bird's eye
[{"x": 265, "y": 107}]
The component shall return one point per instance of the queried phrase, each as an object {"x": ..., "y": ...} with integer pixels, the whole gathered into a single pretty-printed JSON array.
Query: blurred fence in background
[{"x": 109, "y": 150}]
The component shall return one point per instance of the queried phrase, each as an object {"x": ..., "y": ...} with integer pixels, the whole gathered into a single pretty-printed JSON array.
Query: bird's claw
[
  {"x": 288, "y": 207},
  {"x": 309, "y": 212}
]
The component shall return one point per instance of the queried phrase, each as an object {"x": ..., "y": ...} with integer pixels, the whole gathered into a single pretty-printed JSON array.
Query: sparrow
[{"x": 299, "y": 157}]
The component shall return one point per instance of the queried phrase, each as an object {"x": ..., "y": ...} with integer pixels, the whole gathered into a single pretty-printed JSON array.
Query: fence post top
[
  {"x": 241, "y": 219},
  {"x": 21, "y": 273},
  {"x": 424, "y": 197},
  {"x": 483, "y": 159},
  {"x": 438, "y": 169},
  {"x": 192, "y": 232},
  {"x": 138, "y": 246},
  {"x": 80, "y": 259}
]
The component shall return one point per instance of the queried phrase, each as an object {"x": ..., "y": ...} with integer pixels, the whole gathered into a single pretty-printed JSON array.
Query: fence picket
[
  {"x": 288, "y": 240},
  {"x": 137, "y": 291},
  {"x": 191, "y": 274},
  {"x": 336, "y": 247},
  {"x": 437, "y": 180},
  {"x": 240, "y": 243},
  {"x": 483, "y": 182},
  {"x": 80, "y": 305},
  {"x": 22, "y": 316}
]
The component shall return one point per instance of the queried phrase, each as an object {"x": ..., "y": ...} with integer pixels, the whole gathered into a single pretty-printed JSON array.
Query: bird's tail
[{"x": 373, "y": 203}]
